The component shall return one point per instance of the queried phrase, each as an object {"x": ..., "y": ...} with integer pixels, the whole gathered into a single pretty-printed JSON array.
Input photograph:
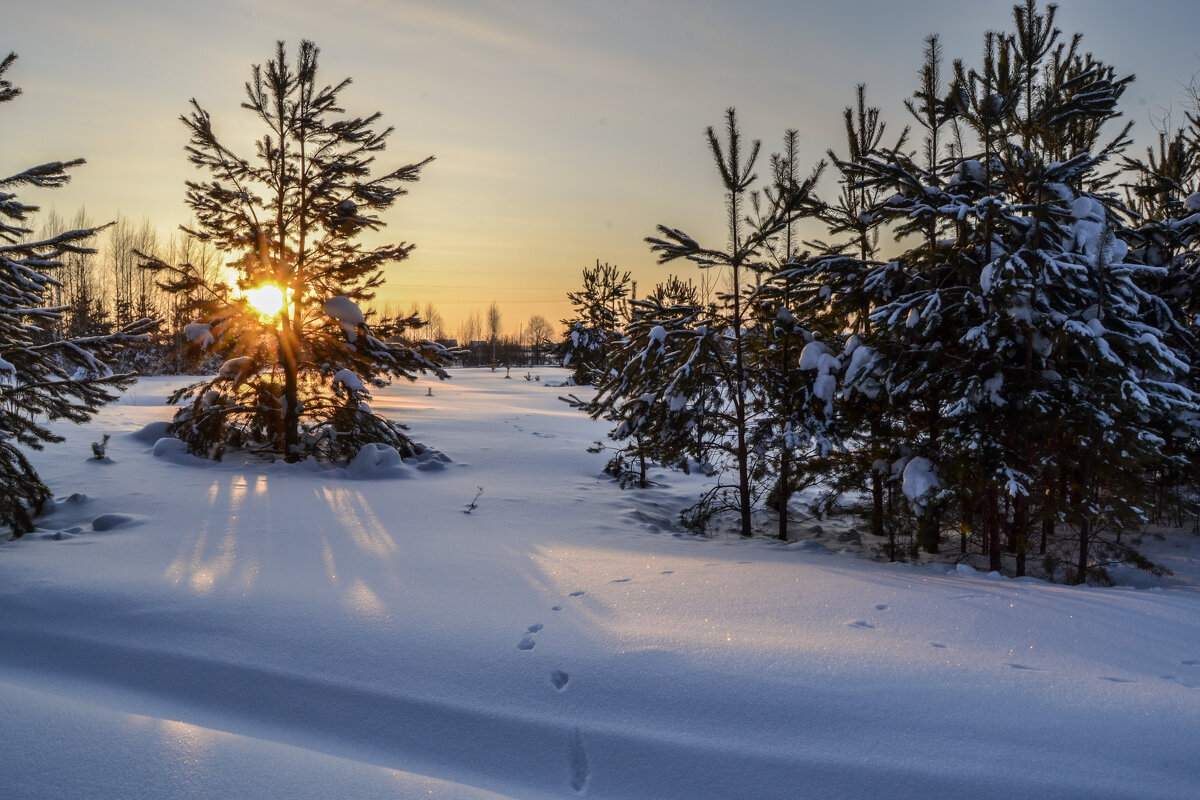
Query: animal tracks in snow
[
  {"x": 527, "y": 641},
  {"x": 578, "y": 770},
  {"x": 577, "y": 762}
]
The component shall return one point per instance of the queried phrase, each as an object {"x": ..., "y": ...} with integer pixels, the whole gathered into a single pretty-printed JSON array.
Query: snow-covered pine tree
[
  {"x": 1163, "y": 201},
  {"x": 1163, "y": 206},
  {"x": 1032, "y": 367},
  {"x": 296, "y": 380},
  {"x": 796, "y": 374},
  {"x": 592, "y": 331},
  {"x": 790, "y": 430},
  {"x": 831, "y": 296},
  {"x": 42, "y": 377},
  {"x": 744, "y": 259},
  {"x": 660, "y": 385}
]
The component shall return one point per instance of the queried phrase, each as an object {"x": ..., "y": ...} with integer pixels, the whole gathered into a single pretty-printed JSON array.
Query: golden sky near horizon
[{"x": 564, "y": 132}]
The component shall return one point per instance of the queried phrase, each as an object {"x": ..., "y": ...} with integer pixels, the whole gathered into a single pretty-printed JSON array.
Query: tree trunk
[
  {"x": 785, "y": 491},
  {"x": 1018, "y": 533},
  {"x": 876, "y": 503},
  {"x": 291, "y": 393},
  {"x": 995, "y": 556},
  {"x": 1085, "y": 531},
  {"x": 743, "y": 458},
  {"x": 968, "y": 526},
  {"x": 927, "y": 529}
]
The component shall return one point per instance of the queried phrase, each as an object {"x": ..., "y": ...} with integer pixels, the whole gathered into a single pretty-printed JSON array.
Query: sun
[{"x": 266, "y": 300}]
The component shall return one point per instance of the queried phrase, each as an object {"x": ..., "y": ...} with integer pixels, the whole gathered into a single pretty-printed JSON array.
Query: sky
[{"x": 563, "y": 132}]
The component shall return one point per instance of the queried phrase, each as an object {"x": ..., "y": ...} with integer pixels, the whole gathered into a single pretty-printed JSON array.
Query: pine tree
[
  {"x": 745, "y": 259},
  {"x": 660, "y": 385},
  {"x": 600, "y": 311},
  {"x": 791, "y": 428},
  {"x": 42, "y": 378},
  {"x": 834, "y": 298},
  {"x": 1163, "y": 232},
  {"x": 295, "y": 382},
  {"x": 1016, "y": 338}
]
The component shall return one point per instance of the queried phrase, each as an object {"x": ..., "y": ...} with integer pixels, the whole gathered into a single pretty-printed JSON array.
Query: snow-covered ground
[{"x": 181, "y": 629}]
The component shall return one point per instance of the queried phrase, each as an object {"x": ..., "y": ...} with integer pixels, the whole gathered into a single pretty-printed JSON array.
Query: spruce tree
[
  {"x": 43, "y": 377},
  {"x": 296, "y": 380}
]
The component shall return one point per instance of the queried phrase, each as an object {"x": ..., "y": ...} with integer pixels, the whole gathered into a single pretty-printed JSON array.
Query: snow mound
[
  {"x": 176, "y": 451},
  {"x": 149, "y": 434},
  {"x": 376, "y": 462},
  {"x": 106, "y": 522}
]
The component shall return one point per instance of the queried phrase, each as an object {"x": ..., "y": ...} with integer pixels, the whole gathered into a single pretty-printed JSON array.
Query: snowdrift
[{"x": 186, "y": 629}]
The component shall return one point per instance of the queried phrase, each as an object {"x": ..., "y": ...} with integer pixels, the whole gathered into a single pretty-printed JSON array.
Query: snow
[
  {"x": 862, "y": 359},
  {"x": 986, "y": 277},
  {"x": 344, "y": 310},
  {"x": 350, "y": 380},
  {"x": 199, "y": 332},
  {"x": 347, "y": 312},
  {"x": 237, "y": 370},
  {"x": 816, "y": 357},
  {"x": 283, "y": 631},
  {"x": 992, "y": 386},
  {"x": 1089, "y": 217},
  {"x": 375, "y": 462},
  {"x": 920, "y": 480},
  {"x": 973, "y": 170}
]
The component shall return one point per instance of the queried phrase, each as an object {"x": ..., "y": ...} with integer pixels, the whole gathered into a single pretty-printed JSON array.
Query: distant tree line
[
  {"x": 1015, "y": 378},
  {"x": 105, "y": 288}
]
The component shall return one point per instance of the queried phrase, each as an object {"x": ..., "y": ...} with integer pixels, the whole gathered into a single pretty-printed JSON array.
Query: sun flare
[{"x": 267, "y": 301}]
